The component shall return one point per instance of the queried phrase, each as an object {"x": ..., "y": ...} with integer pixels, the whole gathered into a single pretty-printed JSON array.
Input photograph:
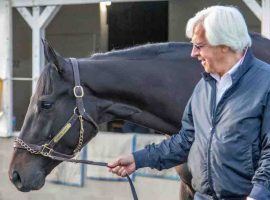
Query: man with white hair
[{"x": 225, "y": 134}]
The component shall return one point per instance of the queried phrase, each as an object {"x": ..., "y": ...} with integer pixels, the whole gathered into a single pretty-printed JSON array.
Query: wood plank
[
  {"x": 254, "y": 7},
  {"x": 26, "y": 15},
  {"x": 266, "y": 18},
  {"x": 6, "y": 64},
  {"x": 47, "y": 15},
  {"x": 29, "y": 3}
]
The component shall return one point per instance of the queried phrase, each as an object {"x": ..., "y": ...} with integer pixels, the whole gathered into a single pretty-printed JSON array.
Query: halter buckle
[
  {"x": 76, "y": 110},
  {"x": 80, "y": 93},
  {"x": 46, "y": 151}
]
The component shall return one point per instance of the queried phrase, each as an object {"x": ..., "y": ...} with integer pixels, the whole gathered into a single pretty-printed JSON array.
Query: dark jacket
[{"x": 227, "y": 146}]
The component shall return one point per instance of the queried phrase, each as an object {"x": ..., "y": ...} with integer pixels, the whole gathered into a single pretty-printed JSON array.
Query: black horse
[{"x": 148, "y": 85}]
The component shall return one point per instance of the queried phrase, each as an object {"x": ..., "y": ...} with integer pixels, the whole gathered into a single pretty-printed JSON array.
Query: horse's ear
[{"x": 53, "y": 57}]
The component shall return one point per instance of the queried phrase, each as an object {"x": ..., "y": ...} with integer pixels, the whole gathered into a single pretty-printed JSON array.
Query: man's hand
[{"x": 123, "y": 165}]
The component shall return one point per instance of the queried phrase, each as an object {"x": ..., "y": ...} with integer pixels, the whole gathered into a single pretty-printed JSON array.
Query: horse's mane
[
  {"x": 44, "y": 84},
  {"x": 166, "y": 50},
  {"x": 142, "y": 51},
  {"x": 154, "y": 50}
]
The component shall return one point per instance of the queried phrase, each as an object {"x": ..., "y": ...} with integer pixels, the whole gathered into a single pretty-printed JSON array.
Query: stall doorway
[
  {"x": 132, "y": 24},
  {"x": 137, "y": 23}
]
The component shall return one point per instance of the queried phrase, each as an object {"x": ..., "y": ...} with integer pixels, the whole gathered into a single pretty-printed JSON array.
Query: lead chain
[
  {"x": 79, "y": 146},
  {"x": 26, "y": 146}
]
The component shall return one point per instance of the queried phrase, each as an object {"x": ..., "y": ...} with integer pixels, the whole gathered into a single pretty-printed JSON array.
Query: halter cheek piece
[{"x": 79, "y": 113}]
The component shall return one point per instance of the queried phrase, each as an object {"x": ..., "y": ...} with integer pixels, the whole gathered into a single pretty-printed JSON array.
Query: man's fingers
[
  {"x": 115, "y": 170},
  {"x": 113, "y": 164},
  {"x": 122, "y": 165},
  {"x": 122, "y": 172}
]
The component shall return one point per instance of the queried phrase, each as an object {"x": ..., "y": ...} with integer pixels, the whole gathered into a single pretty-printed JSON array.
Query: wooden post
[
  {"x": 37, "y": 34},
  {"x": 266, "y": 18},
  {"x": 6, "y": 68},
  {"x": 262, "y": 13},
  {"x": 38, "y": 21},
  {"x": 103, "y": 27}
]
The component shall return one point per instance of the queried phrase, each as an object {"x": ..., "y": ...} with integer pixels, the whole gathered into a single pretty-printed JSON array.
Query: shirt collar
[{"x": 248, "y": 62}]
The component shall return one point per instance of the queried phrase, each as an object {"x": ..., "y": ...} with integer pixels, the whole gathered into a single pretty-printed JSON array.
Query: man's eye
[{"x": 46, "y": 105}]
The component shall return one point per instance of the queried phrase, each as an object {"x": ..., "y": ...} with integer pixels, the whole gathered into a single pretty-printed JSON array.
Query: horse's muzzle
[
  {"x": 16, "y": 180},
  {"x": 25, "y": 186}
]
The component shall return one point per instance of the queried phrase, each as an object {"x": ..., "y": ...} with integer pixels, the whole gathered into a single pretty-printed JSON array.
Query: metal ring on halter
[
  {"x": 81, "y": 89},
  {"x": 76, "y": 108}
]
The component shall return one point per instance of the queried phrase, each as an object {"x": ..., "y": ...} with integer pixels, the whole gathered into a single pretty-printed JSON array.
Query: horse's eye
[{"x": 46, "y": 105}]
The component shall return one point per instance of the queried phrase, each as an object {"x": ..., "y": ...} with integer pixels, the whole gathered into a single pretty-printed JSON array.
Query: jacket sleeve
[
  {"x": 261, "y": 179},
  {"x": 170, "y": 152}
]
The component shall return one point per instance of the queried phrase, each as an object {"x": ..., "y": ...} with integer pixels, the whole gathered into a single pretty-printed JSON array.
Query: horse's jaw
[{"x": 29, "y": 175}]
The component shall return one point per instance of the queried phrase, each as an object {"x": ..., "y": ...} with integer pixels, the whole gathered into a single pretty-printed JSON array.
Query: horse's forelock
[{"x": 44, "y": 84}]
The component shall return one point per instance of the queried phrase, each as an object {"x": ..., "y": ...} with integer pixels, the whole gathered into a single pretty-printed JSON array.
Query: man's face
[{"x": 210, "y": 56}]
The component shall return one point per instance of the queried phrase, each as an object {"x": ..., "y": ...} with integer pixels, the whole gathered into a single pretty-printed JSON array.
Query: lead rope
[
  {"x": 102, "y": 164},
  {"x": 88, "y": 162}
]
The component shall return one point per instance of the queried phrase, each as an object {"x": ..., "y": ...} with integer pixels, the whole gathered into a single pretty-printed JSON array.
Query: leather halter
[{"x": 79, "y": 113}]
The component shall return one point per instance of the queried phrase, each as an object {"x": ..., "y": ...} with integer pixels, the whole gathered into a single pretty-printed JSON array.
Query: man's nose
[{"x": 194, "y": 52}]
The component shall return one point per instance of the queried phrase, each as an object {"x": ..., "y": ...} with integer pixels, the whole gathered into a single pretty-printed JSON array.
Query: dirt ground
[{"x": 147, "y": 188}]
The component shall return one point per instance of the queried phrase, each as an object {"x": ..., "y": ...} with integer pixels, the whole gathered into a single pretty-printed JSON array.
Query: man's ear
[
  {"x": 224, "y": 48},
  {"x": 53, "y": 57}
]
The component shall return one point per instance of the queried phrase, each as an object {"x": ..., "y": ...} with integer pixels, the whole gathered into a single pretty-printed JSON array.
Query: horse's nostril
[{"x": 16, "y": 180}]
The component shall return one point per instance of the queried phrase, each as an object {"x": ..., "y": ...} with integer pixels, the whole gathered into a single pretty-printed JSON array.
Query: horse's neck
[
  {"x": 130, "y": 91},
  {"x": 152, "y": 93}
]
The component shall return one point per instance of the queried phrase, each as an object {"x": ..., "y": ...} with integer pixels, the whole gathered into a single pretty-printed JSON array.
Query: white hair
[{"x": 224, "y": 25}]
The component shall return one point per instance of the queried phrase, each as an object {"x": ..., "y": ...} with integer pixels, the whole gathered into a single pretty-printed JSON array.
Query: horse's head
[{"x": 52, "y": 111}]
